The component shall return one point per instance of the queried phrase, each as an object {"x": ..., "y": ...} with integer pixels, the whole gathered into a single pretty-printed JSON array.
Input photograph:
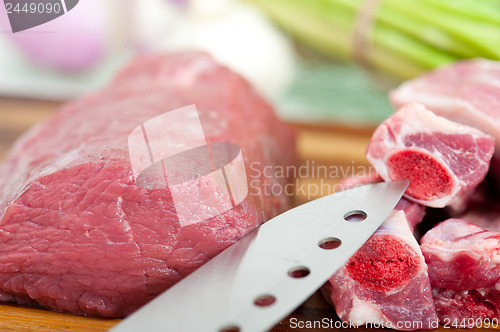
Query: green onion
[{"x": 406, "y": 37}]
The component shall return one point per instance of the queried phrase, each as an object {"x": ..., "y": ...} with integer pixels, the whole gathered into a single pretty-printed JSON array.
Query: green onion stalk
[{"x": 402, "y": 37}]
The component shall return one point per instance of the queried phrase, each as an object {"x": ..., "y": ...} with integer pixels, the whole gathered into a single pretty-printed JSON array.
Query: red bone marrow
[{"x": 442, "y": 159}]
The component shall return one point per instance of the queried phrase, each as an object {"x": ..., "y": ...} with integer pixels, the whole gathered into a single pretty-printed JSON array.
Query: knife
[{"x": 259, "y": 280}]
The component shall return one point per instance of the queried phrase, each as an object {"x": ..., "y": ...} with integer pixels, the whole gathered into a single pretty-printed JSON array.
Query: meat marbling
[
  {"x": 464, "y": 269},
  {"x": 442, "y": 159},
  {"x": 78, "y": 235},
  {"x": 466, "y": 91},
  {"x": 386, "y": 281}
]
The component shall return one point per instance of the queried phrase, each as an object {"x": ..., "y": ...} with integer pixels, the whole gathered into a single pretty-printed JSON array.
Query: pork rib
[
  {"x": 466, "y": 92},
  {"x": 442, "y": 159},
  {"x": 78, "y": 235},
  {"x": 386, "y": 281}
]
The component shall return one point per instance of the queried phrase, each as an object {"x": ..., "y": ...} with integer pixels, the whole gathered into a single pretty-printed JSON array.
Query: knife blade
[{"x": 263, "y": 277}]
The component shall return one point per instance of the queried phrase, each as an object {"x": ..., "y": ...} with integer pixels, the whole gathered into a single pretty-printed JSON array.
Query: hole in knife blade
[
  {"x": 299, "y": 272},
  {"x": 329, "y": 243},
  {"x": 264, "y": 300},
  {"x": 355, "y": 216},
  {"x": 230, "y": 328}
]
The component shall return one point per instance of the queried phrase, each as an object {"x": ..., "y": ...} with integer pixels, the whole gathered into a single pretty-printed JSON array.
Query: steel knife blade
[{"x": 263, "y": 277}]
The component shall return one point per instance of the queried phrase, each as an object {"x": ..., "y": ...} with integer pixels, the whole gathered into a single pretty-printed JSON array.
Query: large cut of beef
[
  {"x": 466, "y": 92},
  {"x": 78, "y": 235},
  {"x": 442, "y": 159},
  {"x": 464, "y": 268},
  {"x": 386, "y": 281}
]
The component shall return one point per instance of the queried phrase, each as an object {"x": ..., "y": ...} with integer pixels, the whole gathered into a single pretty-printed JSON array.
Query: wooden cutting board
[{"x": 338, "y": 149}]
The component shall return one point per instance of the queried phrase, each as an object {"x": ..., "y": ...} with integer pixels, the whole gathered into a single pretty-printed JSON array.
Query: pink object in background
[{"x": 76, "y": 40}]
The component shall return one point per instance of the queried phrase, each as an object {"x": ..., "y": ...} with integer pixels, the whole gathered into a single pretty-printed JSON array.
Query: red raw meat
[
  {"x": 442, "y": 159},
  {"x": 467, "y": 92},
  {"x": 464, "y": 269},
  {"x": 78, "y": 235},
  {"x": 386, "y": 280}
]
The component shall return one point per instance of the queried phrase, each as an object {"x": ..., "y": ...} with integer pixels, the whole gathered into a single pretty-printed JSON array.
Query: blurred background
[{"x": 318, "y": 61}]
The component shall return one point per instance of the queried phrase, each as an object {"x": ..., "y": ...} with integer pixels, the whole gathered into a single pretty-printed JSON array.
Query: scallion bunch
[{"x": 405, "y": 37}]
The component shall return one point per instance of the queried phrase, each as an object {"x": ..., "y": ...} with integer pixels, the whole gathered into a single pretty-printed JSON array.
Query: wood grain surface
[{"x": 337, "y": 147}]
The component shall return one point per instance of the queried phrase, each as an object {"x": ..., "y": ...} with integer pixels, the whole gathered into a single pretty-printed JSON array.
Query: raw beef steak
[
  {"x": 464, "y": 269},
  {"x": 78, "y": 235},
  {"x": 385, "y": 282},
  {"x": 371, "y": 287},
  {"x": 442, "y": 159}
]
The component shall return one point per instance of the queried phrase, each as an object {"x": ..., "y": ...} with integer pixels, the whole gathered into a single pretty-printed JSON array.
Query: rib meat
[
  {"x": 386, "y": 280},
  {"x": 464, "y": 269},
  {"x": 442, "y": 159},
  {"x": 467, "y": 92}
]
